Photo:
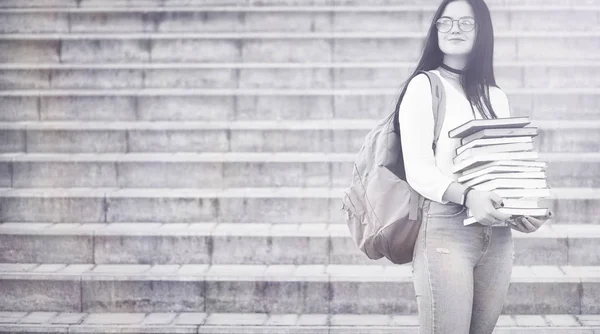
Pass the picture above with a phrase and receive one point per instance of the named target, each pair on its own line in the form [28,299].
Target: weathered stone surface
[316,78]
[52,209]
[195,50]
[373,297]
[186,108]
[18,109]
[191,78]
[142,296]
[114,318]
[132,209]
[38,318]
[33,22]
[151,250]
[580,211]
[542,251]
[64,174]
[284,107]
[542,298]
[29,51]
[5,174]
[104,50]
[556,48]
[287,21]
[178,141]
[568,140]
[46,248]
[40,295]
[197,21]
[159,318]
[265,296]
[65,141]
[12,141]
[281,50]
[170,175]
[69,318]
[101,79]
[300,210]
[110,22]
[399,49]
[380,21]
[80,108]
[24,79]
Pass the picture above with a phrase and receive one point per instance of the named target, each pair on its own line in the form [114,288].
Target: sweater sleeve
[502,106]
[416,131]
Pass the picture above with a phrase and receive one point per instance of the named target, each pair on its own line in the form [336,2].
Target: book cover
[481,159]
[472,220]
[519,193]
[514,147]
[515,212]
[527,203]
[534,212]
[499,170]
[493,176]
[493,141]
[507,163]
[476,125]
[529,131]
[499,184]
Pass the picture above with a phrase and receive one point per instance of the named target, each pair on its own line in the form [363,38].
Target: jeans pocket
[445,210]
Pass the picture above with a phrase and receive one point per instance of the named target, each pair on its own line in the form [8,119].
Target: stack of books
[498,155]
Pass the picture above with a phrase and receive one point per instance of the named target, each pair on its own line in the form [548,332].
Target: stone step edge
[273,272]
[249,230]
[153,92]
[291,8]
[274,65]
[310,125]
[278,35]
[235,157]
[259,322]
[557,193]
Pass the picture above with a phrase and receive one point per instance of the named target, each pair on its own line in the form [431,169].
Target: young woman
[461,273]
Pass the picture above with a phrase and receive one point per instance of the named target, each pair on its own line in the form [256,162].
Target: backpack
[380,208]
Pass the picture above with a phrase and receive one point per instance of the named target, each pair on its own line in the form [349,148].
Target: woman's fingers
[518,227]
[528,225]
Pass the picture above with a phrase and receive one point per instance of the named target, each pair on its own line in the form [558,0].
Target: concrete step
[277,47]
[332,289]
[511,76]
[254,3]
[261,104]
[241,205]
[228,170]
[271,244]
[323,136]
[264,323]
[281,19]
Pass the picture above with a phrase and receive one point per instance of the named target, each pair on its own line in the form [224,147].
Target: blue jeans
[461,273]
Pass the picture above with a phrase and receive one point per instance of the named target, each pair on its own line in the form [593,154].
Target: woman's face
[452,39]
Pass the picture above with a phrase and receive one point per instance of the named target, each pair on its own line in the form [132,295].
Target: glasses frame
[452,25]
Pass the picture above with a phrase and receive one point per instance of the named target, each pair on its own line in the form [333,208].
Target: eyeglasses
[465,24]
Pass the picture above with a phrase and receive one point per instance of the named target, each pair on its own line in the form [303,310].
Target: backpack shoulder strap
[438,98]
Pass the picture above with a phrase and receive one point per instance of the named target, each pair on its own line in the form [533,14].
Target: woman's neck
[456,62]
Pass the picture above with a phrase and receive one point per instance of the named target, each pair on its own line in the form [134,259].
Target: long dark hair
[478,74]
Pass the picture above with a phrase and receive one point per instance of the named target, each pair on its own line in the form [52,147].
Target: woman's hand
[483,206]
[528,224]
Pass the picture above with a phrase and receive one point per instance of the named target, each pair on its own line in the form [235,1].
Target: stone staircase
[176,166]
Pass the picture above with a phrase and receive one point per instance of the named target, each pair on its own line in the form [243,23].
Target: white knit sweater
[431,175]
